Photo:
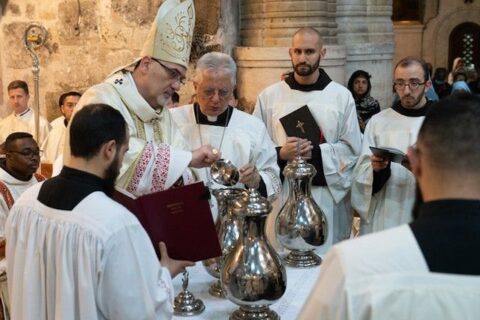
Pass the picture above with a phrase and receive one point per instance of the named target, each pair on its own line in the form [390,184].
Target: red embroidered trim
[6,195]
[141,168]
[160,169]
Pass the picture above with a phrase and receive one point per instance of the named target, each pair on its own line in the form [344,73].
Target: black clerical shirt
[69,188]
[448,233]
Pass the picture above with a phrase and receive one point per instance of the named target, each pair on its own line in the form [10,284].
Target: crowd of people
[70,248]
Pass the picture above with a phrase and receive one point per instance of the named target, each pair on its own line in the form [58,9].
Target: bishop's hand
[204,156]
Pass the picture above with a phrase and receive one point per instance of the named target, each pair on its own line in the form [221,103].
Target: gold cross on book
[300,125]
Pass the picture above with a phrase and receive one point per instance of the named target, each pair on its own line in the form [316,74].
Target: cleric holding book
[73,252]
[158,157]
[383,192]
[240,137]
[428,269]
[333,109]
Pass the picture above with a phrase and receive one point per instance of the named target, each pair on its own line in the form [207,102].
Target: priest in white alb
[73,252]
[239,136]
[383,191]
[158,157]
[22,118]
[428,269]
[54,144]
[333,110]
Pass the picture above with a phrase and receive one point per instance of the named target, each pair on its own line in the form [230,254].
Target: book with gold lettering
[301,123]
[180,217]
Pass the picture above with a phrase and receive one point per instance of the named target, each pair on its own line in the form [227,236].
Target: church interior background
[88,39]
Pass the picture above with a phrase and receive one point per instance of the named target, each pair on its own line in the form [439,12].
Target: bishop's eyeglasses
[172,73]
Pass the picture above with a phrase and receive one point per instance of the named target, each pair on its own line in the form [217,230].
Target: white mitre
[170,37]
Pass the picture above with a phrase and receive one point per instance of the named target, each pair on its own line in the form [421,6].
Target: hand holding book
[391,154]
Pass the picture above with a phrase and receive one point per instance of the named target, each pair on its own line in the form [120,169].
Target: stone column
[266,34]
[365,28]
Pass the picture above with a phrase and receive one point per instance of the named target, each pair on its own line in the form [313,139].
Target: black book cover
[301,123]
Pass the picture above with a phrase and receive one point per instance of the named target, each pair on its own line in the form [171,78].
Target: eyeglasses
[28,153]
[412,85]
[172,73]
[222,94]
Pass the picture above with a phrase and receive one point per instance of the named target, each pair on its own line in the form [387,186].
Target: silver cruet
[228,231]
[301,226]
[253,275]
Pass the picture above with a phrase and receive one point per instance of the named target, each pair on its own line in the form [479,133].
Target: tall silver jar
[301,226]
[228,232]
[253,275]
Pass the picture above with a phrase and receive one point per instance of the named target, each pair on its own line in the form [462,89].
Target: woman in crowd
[360,86]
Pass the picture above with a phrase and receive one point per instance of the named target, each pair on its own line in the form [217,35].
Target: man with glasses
[239,136]
[383,191]
[158,157]
[17,170]
[17,174]
[428,269]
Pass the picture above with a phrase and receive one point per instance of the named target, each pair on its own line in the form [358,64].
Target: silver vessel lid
[298,168]
[252,205]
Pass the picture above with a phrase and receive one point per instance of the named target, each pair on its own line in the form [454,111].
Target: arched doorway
[464,42]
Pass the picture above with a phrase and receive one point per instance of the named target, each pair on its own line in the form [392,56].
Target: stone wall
[87,40]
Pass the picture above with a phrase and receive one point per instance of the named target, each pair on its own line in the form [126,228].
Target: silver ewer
[228,231]
[253,275]
[301,226]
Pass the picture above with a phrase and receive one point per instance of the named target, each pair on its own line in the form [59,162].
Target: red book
[180,217]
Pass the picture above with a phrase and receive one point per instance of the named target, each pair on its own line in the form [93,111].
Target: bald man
[333,150]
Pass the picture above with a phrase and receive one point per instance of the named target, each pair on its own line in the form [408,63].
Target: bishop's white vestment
[157,156]
[333,108]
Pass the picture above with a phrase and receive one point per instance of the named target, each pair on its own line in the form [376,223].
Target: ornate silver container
[228,231]
[301,225]
[185,303]
[253,275]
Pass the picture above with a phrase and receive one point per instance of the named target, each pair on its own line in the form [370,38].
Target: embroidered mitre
[170,38]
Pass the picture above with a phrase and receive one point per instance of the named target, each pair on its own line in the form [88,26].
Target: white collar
[23,113]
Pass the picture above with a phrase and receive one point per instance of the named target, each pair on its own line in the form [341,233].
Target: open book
[391,154]
[180,217]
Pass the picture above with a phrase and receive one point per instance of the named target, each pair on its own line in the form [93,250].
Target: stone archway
[437,52]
